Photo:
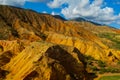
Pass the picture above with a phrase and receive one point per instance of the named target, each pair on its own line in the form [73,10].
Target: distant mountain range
[80,19]
[59,17]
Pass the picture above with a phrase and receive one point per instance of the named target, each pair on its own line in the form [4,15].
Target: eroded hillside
[36,46]
[108,35]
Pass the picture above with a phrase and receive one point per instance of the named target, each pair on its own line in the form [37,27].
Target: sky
[101,11]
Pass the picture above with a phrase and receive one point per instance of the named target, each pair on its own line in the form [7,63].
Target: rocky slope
[41,26]
[45,61]
[108,35]
[36,46]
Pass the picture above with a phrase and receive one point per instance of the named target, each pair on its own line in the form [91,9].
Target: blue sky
[101,11]
[43,7]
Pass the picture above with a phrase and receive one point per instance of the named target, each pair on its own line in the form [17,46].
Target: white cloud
[37,0]
[44,12]
[19,3]
[56,3]
[12,2]
[118,20]
[54,13]
[93,11]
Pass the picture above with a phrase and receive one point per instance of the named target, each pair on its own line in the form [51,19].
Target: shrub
[101,63]
[102,70]
[109,69]
[94,68]
[118,62]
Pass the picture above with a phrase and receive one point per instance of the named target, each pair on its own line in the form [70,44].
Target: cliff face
[40,61]
[37,46]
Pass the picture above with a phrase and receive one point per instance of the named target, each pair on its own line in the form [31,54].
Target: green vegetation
[89,59]
[118,62]
[117,77]
[94,68]
[109,69]
[115,38]
[98,66]
[101,63]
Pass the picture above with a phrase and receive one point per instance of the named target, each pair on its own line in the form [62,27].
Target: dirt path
[106,74]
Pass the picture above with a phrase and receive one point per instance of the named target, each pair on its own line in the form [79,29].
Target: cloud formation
[12,2]
[95,10]
[19,3]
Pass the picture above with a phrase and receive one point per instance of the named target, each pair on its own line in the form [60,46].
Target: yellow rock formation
[46,61]
[40,47]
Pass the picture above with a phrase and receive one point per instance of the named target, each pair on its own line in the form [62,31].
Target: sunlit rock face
[36,46]
[47,61]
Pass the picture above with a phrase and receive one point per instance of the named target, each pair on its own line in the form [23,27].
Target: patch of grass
[117,77]
[109,69]
[111,37]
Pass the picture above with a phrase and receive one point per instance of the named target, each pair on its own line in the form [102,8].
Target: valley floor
[114,76]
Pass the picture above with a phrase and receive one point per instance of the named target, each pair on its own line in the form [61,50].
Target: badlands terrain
[35,46]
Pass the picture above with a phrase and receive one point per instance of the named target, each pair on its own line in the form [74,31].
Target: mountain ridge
[34,43]
[80,19]
[40,27]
